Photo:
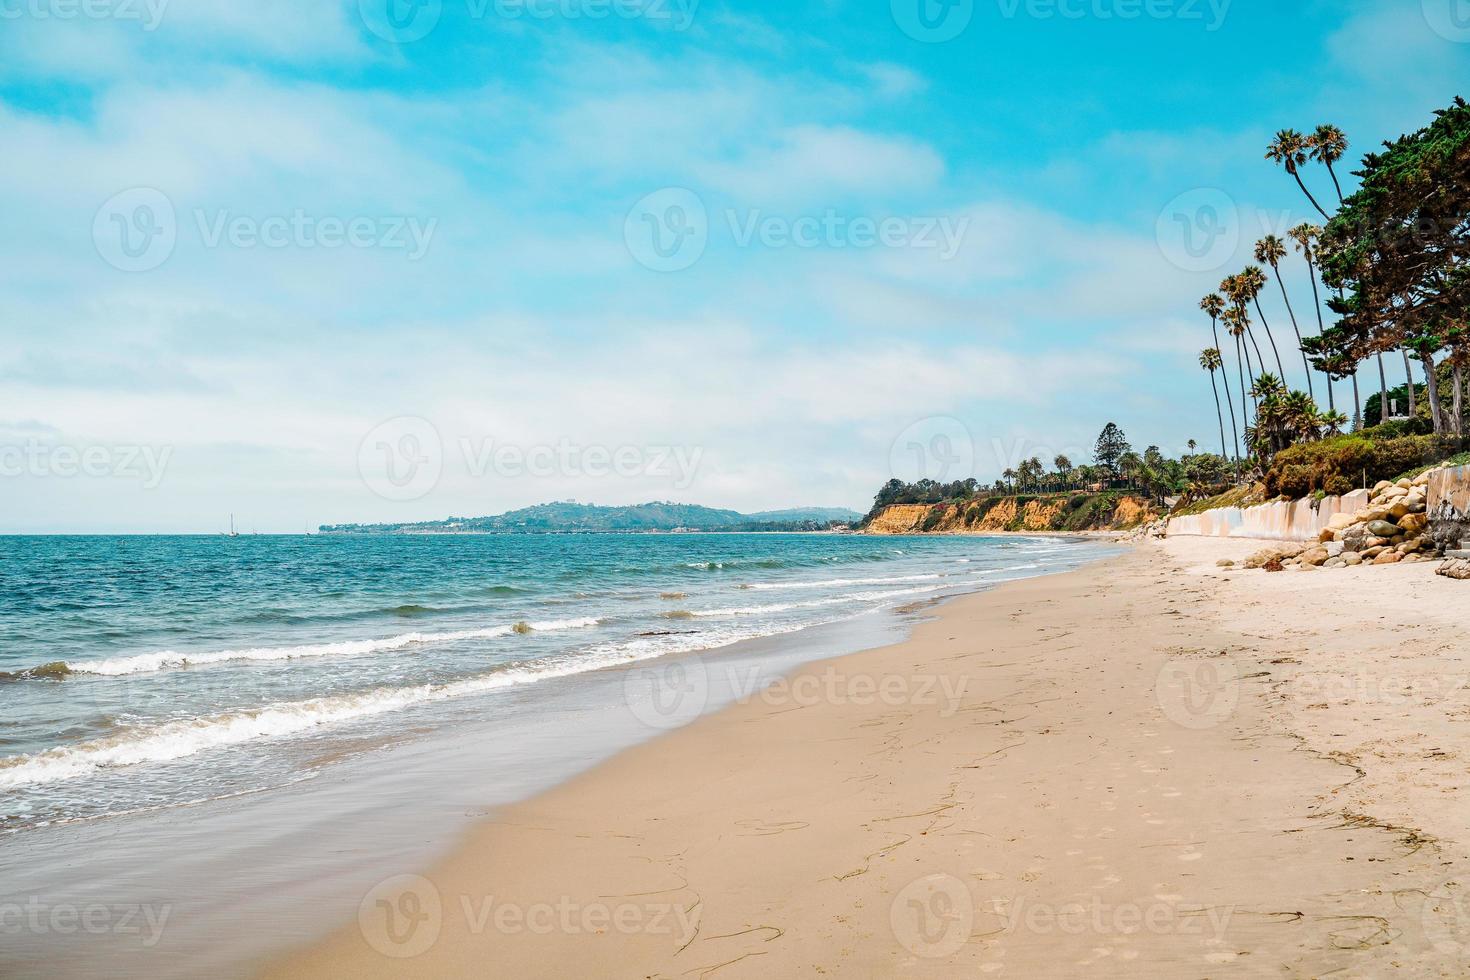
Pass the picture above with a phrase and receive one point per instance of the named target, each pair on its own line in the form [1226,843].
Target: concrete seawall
[1295,520]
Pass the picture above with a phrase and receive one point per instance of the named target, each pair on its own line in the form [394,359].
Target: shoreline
[1070,742]
[310,847]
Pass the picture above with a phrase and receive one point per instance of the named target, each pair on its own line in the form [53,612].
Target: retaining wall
[1295,520]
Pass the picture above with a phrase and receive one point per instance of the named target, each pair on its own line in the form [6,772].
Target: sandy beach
[1150,767]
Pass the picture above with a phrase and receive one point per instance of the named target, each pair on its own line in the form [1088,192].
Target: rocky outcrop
[988,515]
[898,519]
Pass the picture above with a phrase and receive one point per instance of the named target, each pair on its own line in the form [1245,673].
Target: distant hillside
[568,517]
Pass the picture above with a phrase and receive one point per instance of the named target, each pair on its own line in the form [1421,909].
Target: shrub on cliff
[1343,464]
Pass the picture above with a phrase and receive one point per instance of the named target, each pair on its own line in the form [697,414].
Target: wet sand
[1150,767]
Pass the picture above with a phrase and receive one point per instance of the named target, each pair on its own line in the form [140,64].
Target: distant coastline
[569,517]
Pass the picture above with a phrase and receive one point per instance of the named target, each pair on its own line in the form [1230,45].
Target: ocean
[238,689]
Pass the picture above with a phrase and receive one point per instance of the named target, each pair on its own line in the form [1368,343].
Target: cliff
[982,515]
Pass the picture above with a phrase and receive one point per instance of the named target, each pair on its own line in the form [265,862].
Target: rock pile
[1393,528]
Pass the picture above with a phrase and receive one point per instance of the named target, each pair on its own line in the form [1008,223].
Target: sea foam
[146,663]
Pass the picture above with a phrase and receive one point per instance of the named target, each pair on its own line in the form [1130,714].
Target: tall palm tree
[1289,149]
[1214,305]
[1253,280]
[1064,469]
[1237,291]
[1211,361]
[1306,236]
[1270,251]
[1329,145]
[1235,325]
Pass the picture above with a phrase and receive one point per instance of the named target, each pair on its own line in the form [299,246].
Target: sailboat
[233,533]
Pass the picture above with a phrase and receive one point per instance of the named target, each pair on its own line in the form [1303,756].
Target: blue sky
[297,263]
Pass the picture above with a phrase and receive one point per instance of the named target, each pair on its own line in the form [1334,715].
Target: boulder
[1398,510]
[1224,563]
[1328,534]
[1414,524]
[1341,522]
[1404,484]
[1273,565]
[1335,563]
[1371,553]
[1335,549]
[1388,558]
[1315,557]
[1351,558]
[1380,486]
[1383,529]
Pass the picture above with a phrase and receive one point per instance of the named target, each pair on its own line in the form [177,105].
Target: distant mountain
[566,517]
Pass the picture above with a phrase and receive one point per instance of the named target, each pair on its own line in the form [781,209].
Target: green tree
[1400,249]
[1110,448]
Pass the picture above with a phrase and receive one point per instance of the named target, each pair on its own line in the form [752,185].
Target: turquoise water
[142,673]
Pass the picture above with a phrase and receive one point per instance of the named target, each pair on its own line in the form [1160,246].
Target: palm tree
[1235,325]
[1010,477]
[1334,421]
[1064,469]
[1302,415]
[1289,150]
[1214,305]
[1329,145]
[1253,280]
[1306,236]
[1211,361]
[1270,251]
[1237,290]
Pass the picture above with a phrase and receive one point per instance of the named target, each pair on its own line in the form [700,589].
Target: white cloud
[810,163]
